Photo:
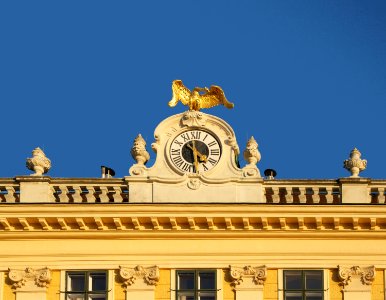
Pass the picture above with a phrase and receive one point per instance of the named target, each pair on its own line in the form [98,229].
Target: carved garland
[129,275]
[237,273]
[367,275]
[41,277]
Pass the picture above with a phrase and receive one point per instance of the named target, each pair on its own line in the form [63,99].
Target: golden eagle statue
[199,97]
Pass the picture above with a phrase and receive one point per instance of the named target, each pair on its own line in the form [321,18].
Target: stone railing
[9,190]
[377,191]
[30,189]
[302,191]
[89,190]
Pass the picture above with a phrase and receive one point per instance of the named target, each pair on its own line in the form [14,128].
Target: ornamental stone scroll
[129,276]
[248,281]
[30,278]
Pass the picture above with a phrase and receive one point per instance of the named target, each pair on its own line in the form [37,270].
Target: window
[86,285]
[303,285]
[196,285]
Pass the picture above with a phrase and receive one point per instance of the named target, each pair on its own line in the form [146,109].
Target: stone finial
[29,276]
[150,275]
[38,162]
[251,154]
[355,164]
[138,151]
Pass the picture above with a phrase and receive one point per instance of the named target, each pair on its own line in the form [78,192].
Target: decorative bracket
[39,277]
[257,274]
[150,275]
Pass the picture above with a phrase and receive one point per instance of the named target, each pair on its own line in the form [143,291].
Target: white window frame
[110,282]
[219,281]
[280,282]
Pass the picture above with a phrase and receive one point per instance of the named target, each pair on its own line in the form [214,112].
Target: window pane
[185,296]
[97,282]
[207,281]
[186,281]
[293,280]
[314,295]
[293,296]
[75,297]
[206,296]
[97,297]
[76,282]
[314,280]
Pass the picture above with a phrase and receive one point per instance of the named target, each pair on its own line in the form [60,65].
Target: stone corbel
[150,275]
[30,278]
[257,275]
[356,275]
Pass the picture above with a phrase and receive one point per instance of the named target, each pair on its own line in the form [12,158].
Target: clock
[195,151]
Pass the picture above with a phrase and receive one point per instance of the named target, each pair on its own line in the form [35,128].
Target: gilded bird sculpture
[198,98]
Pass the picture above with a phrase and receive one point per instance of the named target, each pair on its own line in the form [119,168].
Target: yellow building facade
[195,225]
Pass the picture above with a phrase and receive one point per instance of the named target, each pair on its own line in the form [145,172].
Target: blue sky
[81,79]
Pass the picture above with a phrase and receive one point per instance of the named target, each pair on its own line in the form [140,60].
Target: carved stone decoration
[138,151]
[193,118]
[155,145]
[365,274]
[252,156]
[194,183]
[233,143]
[39,163]
[150,275]
[258,274]
[355,164]
[40,277]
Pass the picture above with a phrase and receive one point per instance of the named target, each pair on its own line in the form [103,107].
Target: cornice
[207,221]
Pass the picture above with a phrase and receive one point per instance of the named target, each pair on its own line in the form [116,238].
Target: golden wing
[180,92]
[214,97]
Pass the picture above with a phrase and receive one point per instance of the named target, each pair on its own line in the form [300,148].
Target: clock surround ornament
[196,158]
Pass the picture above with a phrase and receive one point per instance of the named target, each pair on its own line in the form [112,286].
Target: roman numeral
[212,143]
[195,135]
[186,137]
[186,167]
[212,161]
[175,152]
[178,161]
[215,152]
[205,137]
[178,143]
[205,168]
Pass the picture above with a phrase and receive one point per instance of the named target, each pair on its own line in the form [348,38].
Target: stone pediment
[196,161]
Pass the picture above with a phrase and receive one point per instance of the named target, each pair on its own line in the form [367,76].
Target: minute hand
[193,148]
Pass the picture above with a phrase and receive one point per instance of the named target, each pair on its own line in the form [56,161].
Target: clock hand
[195,152]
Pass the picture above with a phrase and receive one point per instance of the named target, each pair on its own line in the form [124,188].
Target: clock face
[195,151]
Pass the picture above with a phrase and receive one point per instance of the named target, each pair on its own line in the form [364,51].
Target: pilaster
[355,190]
[356,282]
[139,282]
[248,282]
[30,284]
[35,189]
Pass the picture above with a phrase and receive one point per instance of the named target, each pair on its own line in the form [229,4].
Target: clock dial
[195,151]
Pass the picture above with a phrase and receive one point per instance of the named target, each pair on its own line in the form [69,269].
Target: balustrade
[117,190]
